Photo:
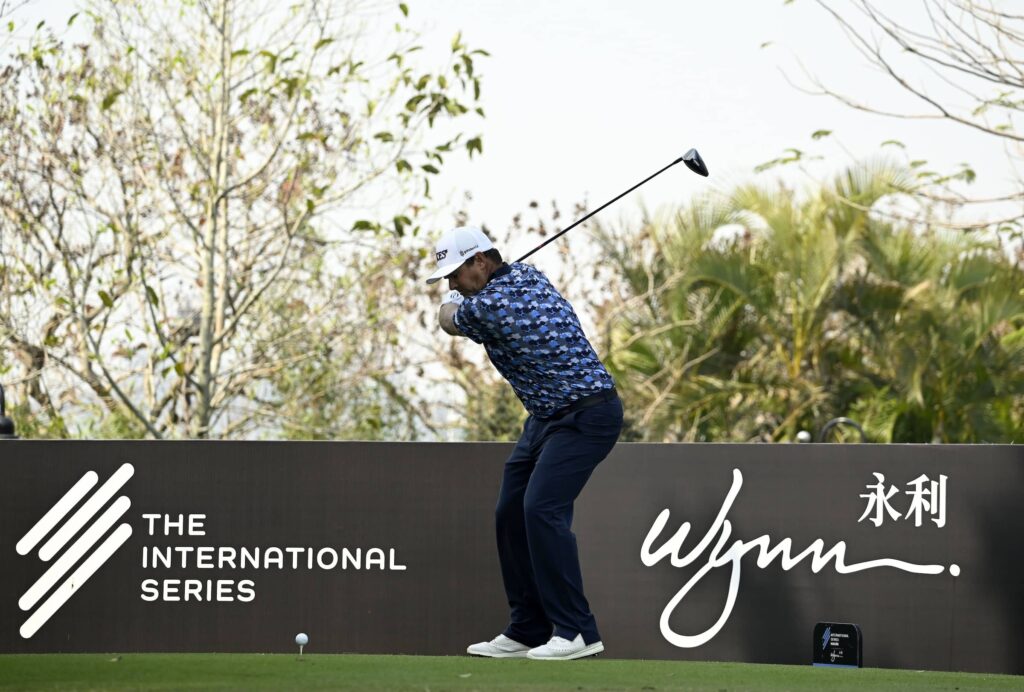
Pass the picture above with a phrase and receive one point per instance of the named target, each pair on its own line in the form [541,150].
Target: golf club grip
[609,202]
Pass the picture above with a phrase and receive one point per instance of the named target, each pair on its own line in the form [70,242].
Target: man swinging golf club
[534,339]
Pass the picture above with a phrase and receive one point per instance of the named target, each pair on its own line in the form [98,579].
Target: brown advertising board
[698,552]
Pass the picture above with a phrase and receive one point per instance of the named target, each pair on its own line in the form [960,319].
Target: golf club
[692,160]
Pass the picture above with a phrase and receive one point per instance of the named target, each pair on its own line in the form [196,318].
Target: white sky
[588,97]
[584,98]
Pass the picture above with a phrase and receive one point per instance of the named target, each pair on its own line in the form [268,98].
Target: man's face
[470,277]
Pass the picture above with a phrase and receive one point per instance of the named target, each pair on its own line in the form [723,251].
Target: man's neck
[496,270]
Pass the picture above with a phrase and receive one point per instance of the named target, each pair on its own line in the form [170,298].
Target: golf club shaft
[612,201]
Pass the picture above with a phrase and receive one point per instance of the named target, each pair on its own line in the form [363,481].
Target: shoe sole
[592,650]
[511,654]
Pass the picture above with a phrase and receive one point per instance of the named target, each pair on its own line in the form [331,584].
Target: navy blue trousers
[543,477]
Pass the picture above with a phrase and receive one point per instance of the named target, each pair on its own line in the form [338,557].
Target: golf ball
[301,639]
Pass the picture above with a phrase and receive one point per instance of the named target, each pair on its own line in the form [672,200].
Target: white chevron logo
[83,545]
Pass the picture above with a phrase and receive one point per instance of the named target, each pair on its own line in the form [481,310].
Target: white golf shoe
[499,647]
[561,649]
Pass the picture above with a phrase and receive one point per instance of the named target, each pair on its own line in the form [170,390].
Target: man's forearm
[446,316]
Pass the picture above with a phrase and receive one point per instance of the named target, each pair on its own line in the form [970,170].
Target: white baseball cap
[455,247]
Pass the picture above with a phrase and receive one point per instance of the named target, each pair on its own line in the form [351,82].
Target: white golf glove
[453,297]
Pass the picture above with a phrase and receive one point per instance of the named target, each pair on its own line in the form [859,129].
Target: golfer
[534,339]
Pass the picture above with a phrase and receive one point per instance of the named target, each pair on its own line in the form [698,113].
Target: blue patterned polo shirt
[534,339]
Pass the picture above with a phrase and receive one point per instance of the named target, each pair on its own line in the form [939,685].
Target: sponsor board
[699,552]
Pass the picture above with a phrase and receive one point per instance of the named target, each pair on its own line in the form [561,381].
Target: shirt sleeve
[479,316]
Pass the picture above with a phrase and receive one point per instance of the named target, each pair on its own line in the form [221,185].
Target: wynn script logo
[721,553]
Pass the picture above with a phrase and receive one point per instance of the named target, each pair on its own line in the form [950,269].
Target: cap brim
[442,272]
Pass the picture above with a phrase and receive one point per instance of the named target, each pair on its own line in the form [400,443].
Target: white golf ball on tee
[301,639]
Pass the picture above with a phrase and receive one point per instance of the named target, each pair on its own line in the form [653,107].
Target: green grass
[435,673]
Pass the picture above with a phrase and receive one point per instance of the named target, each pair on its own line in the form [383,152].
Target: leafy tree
[183,247]
[940,330]
[9,10]
[753,316]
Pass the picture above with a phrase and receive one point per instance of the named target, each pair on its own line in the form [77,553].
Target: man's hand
[446,315]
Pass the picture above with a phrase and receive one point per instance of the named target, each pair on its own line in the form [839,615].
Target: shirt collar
[500,271]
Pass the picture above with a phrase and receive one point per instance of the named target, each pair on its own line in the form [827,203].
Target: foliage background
[212,230]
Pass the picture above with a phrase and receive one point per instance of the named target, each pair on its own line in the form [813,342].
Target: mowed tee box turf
[113,673]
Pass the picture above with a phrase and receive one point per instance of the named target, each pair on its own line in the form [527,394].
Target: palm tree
[940,326]
[758,313]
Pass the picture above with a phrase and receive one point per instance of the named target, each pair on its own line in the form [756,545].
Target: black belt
[602,397]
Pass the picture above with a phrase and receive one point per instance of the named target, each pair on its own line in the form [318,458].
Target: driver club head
[695,163]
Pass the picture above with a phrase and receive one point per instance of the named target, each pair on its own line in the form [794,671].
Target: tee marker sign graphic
[79,549]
